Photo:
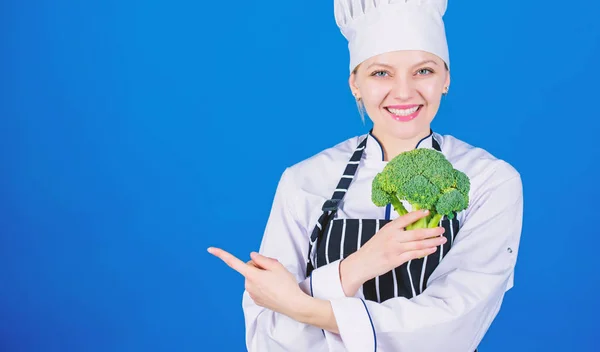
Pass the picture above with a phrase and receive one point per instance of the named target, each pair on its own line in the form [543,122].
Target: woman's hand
[389,248]
[268,282]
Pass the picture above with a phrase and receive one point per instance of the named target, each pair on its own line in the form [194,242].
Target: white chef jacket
[463,294]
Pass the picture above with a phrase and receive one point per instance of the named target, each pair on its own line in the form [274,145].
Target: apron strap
[435,144]
[330,206]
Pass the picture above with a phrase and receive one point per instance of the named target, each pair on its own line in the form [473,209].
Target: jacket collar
[374,148]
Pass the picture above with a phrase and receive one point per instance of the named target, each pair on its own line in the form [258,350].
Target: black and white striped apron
[334,238]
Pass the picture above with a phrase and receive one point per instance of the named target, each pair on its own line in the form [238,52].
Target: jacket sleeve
[463,295]
[287,240]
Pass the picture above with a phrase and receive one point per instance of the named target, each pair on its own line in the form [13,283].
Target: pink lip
[402,106]
[404,118]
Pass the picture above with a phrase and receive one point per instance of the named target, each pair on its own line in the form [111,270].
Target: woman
[337,273]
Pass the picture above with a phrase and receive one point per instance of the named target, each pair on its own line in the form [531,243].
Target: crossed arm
[463,295]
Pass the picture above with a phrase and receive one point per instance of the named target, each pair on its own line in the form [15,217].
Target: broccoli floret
[426,180]
[419,192]
[450,202]
[463,184]
[381,195]
[441,174]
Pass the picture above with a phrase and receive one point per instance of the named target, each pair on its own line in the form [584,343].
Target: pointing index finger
[232,261]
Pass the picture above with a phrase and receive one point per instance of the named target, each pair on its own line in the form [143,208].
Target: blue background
[135,134]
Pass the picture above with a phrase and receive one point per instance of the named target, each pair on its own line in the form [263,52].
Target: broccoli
[426,180]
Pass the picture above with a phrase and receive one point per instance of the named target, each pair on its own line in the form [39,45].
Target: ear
[353,85]
[447,84]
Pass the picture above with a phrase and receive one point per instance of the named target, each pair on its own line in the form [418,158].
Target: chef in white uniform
[335,272]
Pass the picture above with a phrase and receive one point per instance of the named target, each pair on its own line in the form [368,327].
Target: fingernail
[425,211]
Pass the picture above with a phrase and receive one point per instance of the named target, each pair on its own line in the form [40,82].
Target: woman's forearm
[351,275]
[316,312]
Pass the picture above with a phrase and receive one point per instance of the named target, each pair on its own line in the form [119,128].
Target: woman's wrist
[315,312]
[351,276]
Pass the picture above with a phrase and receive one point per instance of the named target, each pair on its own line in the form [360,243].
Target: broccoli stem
[398,207]
[419,224]
[435,220]
[430,221]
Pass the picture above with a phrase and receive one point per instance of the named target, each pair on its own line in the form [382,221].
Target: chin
[406,130]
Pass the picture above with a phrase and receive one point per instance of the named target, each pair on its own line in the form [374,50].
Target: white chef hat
[374,27]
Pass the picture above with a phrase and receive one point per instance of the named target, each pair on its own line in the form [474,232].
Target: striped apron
[334,238]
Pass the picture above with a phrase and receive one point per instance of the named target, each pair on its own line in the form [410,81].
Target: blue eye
[379,73]
[424,71]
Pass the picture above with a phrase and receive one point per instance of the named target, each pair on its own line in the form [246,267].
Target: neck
[393,146]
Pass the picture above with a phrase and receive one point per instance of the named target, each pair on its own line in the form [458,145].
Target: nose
[403,88]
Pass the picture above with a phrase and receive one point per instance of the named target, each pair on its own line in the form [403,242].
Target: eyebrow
[427,61]
[388,66]
[378,64]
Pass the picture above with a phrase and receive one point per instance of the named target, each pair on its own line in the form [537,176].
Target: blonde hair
[359,103]
[361,109]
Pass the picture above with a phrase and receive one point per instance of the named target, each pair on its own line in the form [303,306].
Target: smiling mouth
[404,112]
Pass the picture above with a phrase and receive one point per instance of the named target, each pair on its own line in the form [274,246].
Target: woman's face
[401,91]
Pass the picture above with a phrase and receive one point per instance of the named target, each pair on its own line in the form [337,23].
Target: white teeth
[403,112]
